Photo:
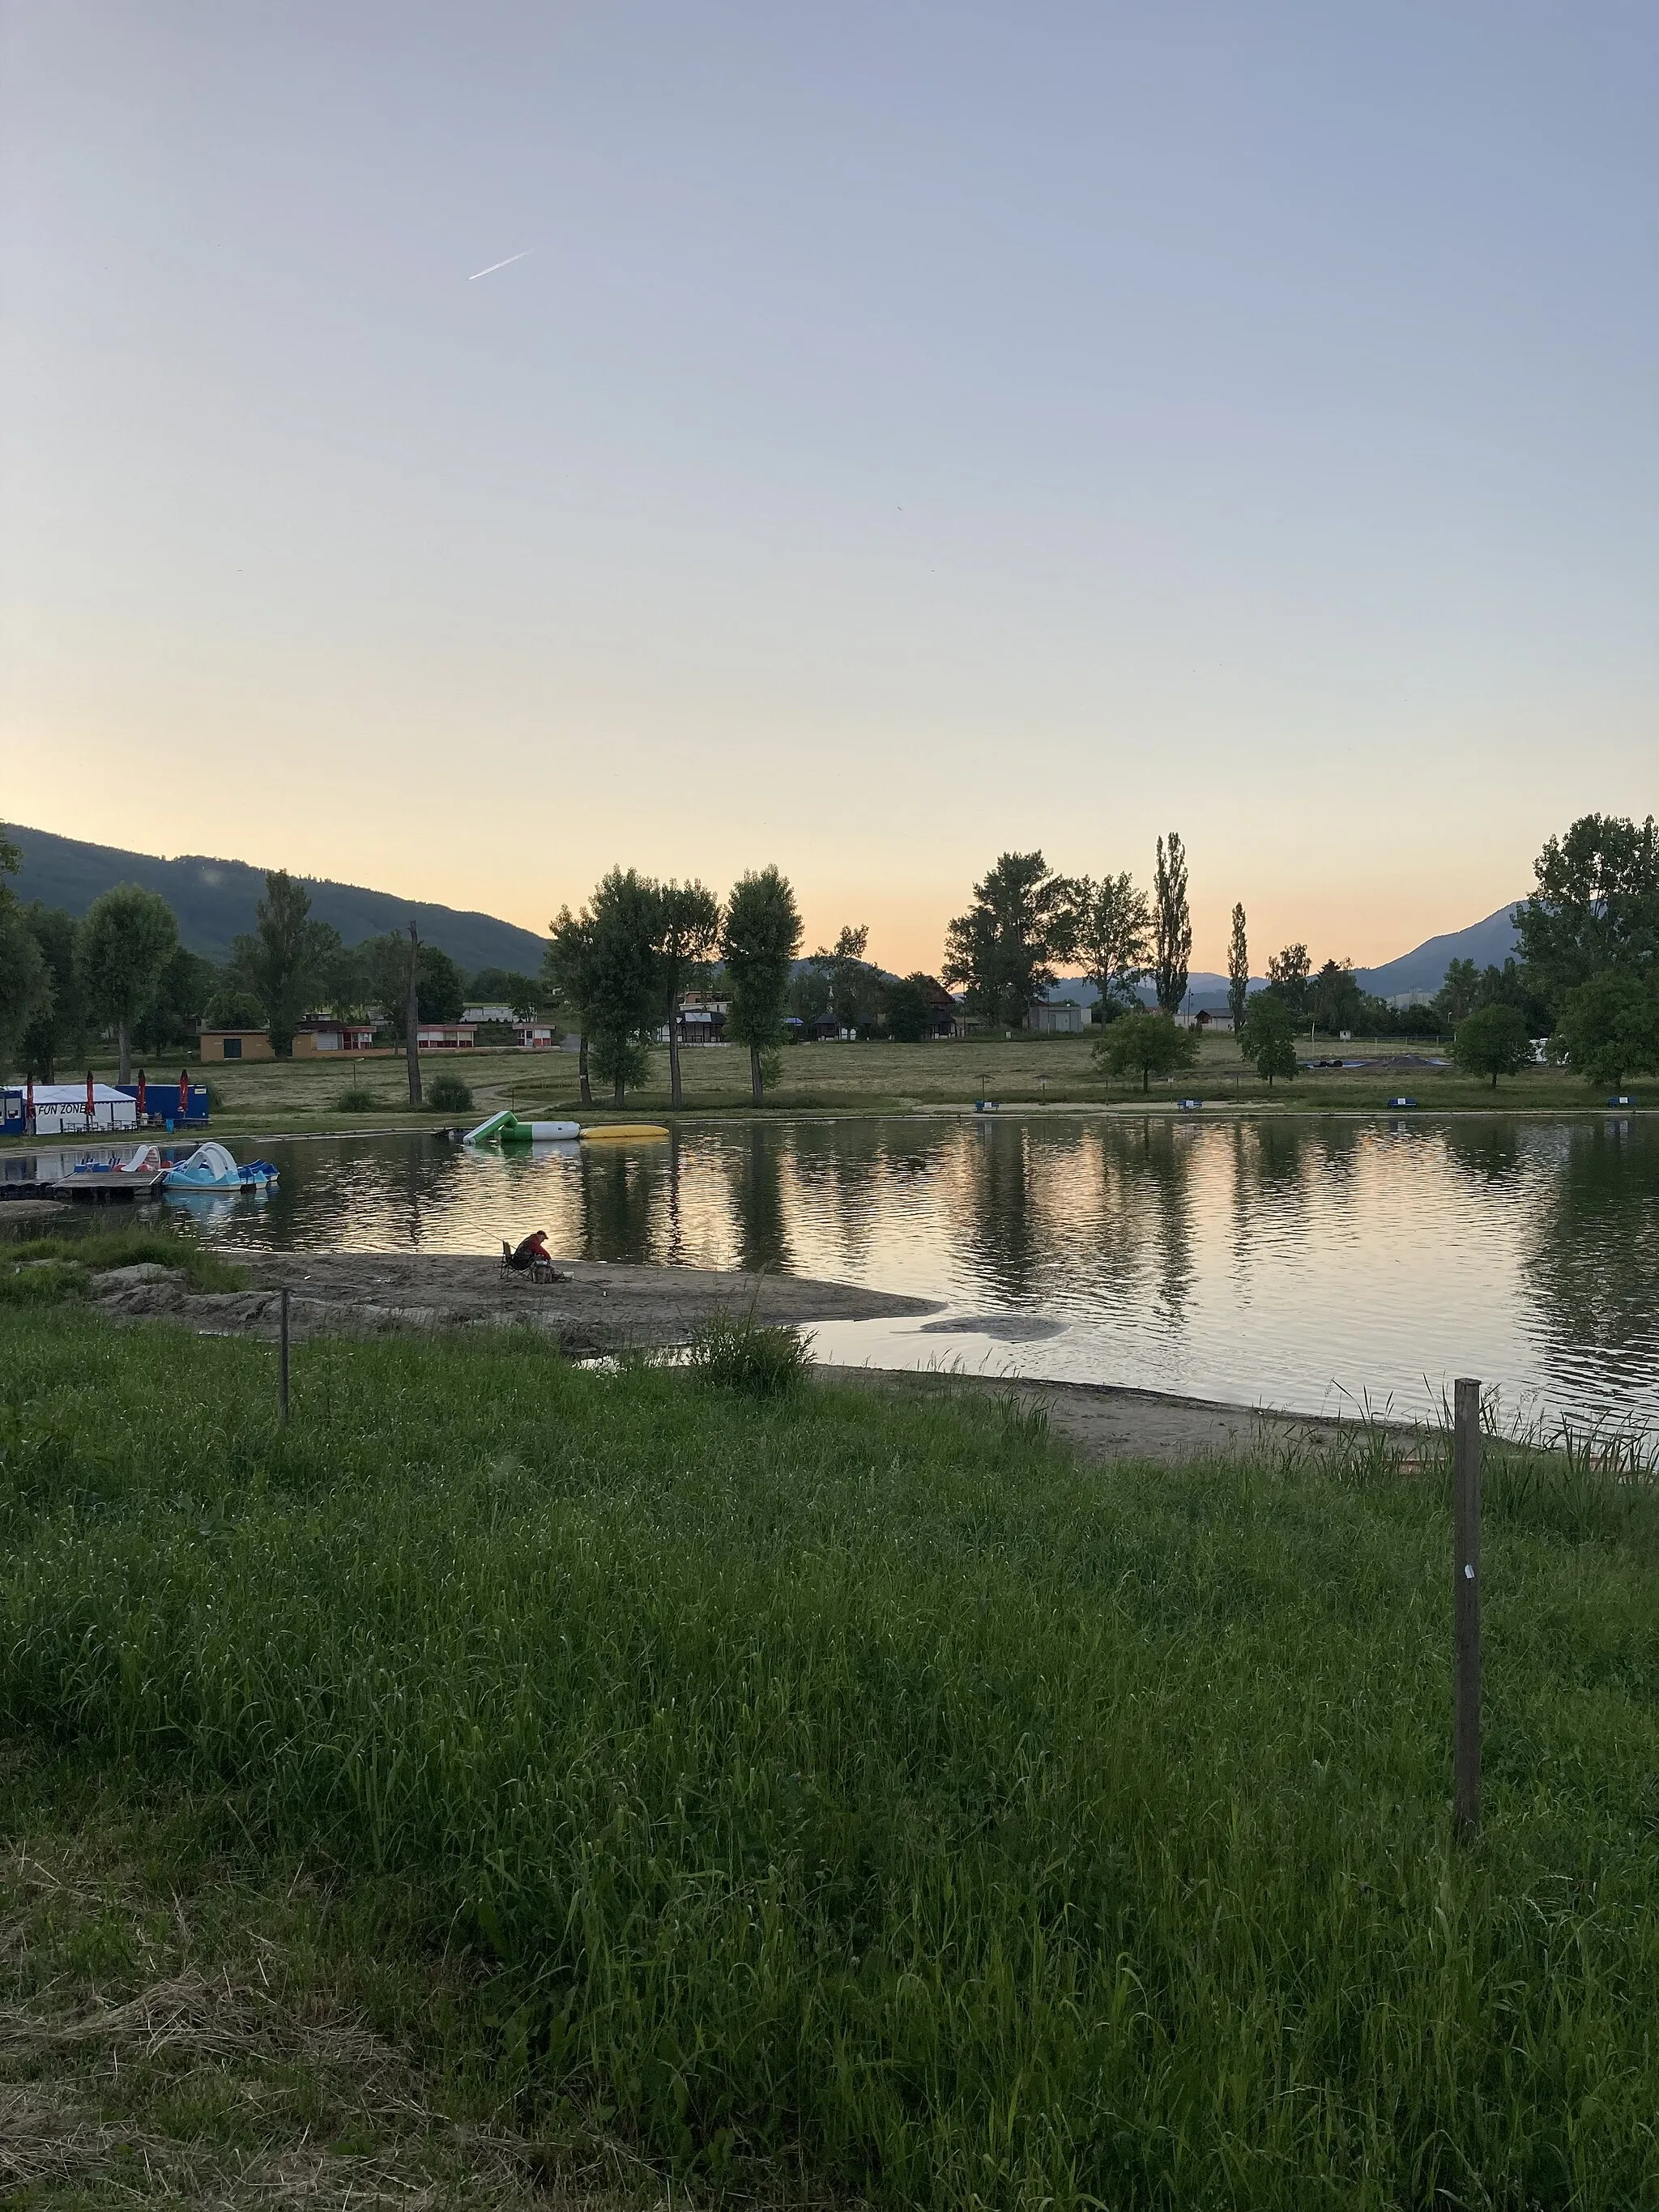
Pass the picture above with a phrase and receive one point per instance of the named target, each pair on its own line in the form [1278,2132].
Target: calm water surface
[1295,1263]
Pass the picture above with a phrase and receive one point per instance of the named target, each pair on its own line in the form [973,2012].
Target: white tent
[60,1110]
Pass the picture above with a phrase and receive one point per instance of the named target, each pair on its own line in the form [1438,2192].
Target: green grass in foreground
[40,1270]
[854,1793]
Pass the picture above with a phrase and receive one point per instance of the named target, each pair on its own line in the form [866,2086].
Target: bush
[357,1100]
[449,1095]
[749,1357]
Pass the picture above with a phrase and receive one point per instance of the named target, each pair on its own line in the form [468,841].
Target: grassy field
[270,1097]
[510,1767]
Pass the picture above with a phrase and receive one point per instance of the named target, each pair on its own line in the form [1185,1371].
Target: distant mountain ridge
[1489,944]
[215,901]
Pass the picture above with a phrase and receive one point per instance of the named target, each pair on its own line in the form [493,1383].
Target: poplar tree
[1238,970]
[1172,925]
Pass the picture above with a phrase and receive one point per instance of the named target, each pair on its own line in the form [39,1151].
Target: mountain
[1489,944]
[215,901]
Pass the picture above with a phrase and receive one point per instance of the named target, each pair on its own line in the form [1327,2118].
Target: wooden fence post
[1465,1605]
[282,1368]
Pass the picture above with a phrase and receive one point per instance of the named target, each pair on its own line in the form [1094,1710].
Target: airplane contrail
[495,265]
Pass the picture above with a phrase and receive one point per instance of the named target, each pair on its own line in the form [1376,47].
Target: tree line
[120,969]
[618,971]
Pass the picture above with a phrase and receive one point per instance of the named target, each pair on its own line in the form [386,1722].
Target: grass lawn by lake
[270,1097]
[843,1796]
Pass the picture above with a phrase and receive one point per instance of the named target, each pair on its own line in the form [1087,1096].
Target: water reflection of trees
[1485,1152]
[1166,1174]
[619,1200]
[762,1236]
[999,1230]
[1593,1244]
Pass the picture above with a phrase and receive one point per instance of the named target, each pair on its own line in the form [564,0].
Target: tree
[809,993]
[687,926]
[1269,1036]
[1172,924]
[1597,905]
[347,984]
[566,977]
[25,983]
[231,1003]
[24,977]
[57,1030]
[489,987]
[909,1011]
[1238,970]
[850,983]
[173,1015]
[1492,1040]
[1458,994]
[440,985]
[759,940]
[1002,950]
[1112,935]
[1335,997]
[1511,986]
[285,962]
[1609,1028]
[523,994]
[1287,979]
[126,937]
[625,977]
[1147,1044]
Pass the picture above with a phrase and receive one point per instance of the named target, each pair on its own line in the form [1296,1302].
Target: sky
[912,432]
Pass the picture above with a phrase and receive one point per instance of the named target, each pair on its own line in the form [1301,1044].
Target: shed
[236,1044]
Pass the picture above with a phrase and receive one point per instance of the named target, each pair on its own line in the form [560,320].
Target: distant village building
[322,1035]
[236,1044]
[1058,1017]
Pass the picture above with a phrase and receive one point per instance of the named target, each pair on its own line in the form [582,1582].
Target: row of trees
[121,969]
[1026,918]
[621,967]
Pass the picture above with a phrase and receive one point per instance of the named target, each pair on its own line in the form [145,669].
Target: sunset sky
[912,431]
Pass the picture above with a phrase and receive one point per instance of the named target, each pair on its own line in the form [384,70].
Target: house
[236,1044]
[322,1035]
[944,1013]
[445,1036]
[535,1036]
[702,1020]
[1057,1018]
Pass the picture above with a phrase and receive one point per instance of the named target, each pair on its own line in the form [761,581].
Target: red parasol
[28,1109]
[184,1094]
[92,1104]
[141,1095]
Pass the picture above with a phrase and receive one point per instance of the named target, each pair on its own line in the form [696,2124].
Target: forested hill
[215,901]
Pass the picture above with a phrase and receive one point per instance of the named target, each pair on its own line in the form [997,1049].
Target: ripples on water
[1292,1263]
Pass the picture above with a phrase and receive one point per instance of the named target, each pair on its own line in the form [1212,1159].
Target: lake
[1310,1263]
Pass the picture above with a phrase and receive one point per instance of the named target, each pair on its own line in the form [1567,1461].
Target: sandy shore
[598,1307]
[606,1309]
